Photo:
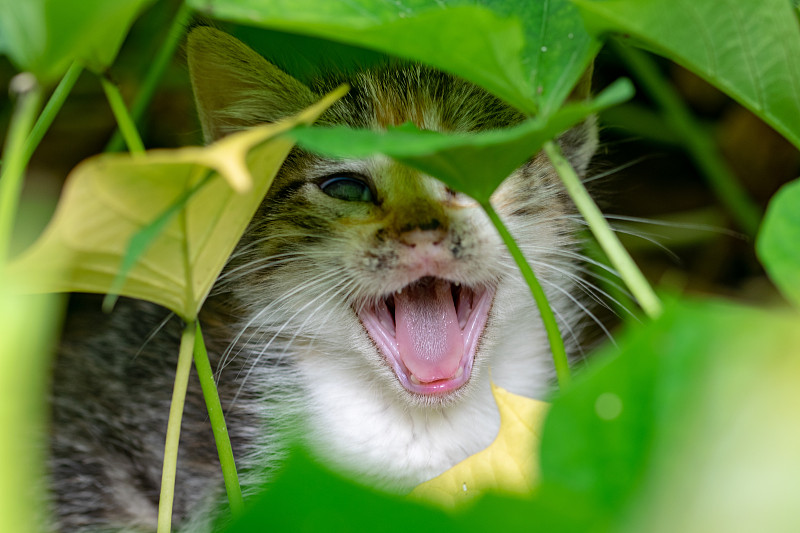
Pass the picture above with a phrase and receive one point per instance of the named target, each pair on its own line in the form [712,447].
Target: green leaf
[778,243]
[748,49]
[305,497]
[27,328]
[510,59]
[475,164]
[110,198]
[558,49]
[45,36]
[658,422]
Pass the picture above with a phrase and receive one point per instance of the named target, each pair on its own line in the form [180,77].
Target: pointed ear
[234,87]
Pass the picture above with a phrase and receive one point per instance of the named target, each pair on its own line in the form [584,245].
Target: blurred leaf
[731,461]
[778,243]
[305,497]
[27,327]
[749,49]
[475,164]
[465,38]
[108,199]
[45,36]
[606,436]
[509,465]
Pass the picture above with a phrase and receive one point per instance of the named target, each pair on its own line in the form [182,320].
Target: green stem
[170,464]
[12,175]
[155,73]
[550,325]
[607,239]
[699,144]
[124,120]
[221,438]
[52,108]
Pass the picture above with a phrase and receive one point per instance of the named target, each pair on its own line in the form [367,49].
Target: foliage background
[649,174]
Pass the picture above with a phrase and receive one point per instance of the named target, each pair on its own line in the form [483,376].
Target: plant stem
[695,140]
[52,108]
[124,121]
[548,318]
[29,97]
[608,240]
[170,465]
[155,73]
[221,438]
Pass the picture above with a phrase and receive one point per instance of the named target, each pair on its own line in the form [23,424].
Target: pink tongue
[428,335]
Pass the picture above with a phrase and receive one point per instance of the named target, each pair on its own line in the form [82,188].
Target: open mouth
[429,331]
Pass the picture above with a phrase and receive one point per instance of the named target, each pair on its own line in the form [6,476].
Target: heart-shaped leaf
[507,49]
[749,49]
[509,465]
[109,198]
[45,36]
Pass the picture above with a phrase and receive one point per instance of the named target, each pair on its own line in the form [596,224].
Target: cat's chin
[429,332]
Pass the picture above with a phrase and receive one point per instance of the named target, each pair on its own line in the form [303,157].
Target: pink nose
[418,236]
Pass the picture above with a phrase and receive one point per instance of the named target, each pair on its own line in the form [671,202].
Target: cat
[365,311]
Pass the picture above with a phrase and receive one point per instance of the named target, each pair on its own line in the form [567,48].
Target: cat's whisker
[262,313]
[583,308]
[266,347]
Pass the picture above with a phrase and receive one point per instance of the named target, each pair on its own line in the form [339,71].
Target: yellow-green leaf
[109,198]
[509,465]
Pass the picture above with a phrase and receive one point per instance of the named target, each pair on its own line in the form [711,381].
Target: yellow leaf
[109,198]
[509,465]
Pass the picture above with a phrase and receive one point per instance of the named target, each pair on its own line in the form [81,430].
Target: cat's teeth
[414,380]
[458,284]
[459,373]
[399,291]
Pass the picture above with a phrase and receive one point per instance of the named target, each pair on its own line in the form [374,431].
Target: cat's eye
[347,188]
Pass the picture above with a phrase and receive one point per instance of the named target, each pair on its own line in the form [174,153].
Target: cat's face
[374,270]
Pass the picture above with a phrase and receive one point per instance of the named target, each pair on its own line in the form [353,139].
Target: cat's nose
[421,237]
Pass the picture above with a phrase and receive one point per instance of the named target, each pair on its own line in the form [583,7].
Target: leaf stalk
[617,254]
[12,174]
[545,311]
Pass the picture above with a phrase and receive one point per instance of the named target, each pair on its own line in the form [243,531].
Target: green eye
[347,189]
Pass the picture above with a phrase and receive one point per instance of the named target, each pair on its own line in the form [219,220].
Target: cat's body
[344,263]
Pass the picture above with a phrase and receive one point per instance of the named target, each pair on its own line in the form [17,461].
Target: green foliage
[749,49]
[515,58]
[778,242]
[134,214]
[45,36]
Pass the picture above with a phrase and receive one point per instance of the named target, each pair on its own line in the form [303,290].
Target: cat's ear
[234,87]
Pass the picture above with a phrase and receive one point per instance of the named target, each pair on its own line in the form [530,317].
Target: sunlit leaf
[46,36]
[474,164]
[617,429]
[108,199]
[509,465]
[778,243]
[27,327]
[466,38]
[748,49]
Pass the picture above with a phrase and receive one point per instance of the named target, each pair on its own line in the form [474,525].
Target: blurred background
[642,170]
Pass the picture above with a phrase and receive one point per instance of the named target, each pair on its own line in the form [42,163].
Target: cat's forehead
[390,95]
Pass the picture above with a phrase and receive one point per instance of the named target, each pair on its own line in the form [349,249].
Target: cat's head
[382,276]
